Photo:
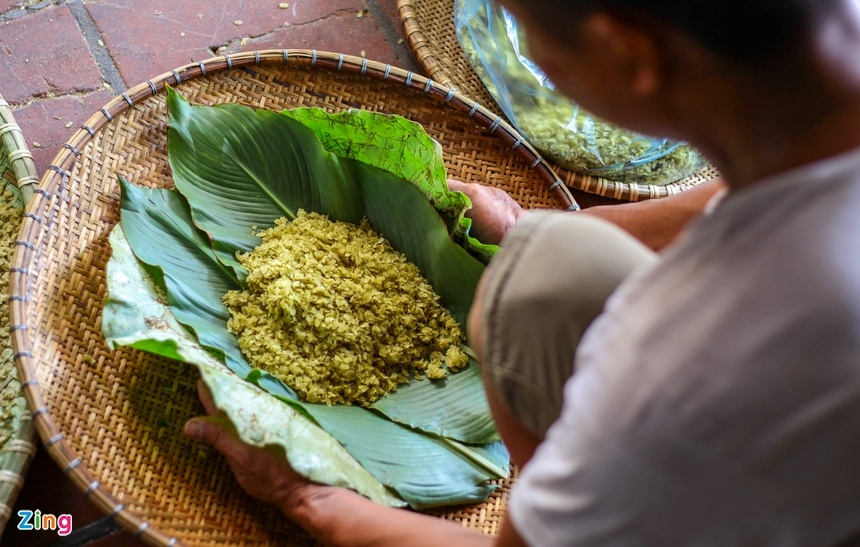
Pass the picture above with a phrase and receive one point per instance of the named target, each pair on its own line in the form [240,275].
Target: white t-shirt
[717,399]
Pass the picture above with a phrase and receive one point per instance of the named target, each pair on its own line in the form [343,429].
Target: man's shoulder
[756,313]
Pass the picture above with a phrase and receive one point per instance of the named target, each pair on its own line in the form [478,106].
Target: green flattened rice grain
[338,315]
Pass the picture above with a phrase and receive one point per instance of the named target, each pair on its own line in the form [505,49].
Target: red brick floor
[62,60]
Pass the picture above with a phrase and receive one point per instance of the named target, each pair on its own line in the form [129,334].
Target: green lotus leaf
[159,228]
[402,148]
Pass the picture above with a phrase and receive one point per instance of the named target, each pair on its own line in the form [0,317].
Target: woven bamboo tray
[17,450]
[430,34]
[113,419]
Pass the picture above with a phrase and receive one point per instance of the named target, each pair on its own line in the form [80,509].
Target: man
[716,400]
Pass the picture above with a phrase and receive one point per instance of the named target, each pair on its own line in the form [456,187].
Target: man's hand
[493,211]
[332,515]
[262,472]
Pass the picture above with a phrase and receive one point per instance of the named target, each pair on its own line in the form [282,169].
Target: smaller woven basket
[17,435]
[432,37]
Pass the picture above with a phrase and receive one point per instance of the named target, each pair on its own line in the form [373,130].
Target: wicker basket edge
[17,165]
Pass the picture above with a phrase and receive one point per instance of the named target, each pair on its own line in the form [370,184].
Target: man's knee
[538,296]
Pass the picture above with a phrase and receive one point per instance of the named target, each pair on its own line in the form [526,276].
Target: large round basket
[17,434]
[431,35]
[113,419]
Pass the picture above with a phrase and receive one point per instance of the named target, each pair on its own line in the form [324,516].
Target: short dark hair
[737,29]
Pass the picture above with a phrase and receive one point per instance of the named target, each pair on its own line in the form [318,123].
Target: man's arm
[336,516]
[658,222]
[655,222]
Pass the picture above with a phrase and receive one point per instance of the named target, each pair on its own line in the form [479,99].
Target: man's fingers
[219,434]
[214,429]
[203,430]
[206,398]
[471,189]
[456,185]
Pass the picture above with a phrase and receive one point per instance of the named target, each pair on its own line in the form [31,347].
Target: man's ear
[627,49]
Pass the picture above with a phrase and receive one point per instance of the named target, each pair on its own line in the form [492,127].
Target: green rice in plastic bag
[566,134]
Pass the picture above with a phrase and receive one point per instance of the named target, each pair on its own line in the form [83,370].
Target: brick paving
[62,60]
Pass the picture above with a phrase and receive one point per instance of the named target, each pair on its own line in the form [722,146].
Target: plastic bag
[564,133]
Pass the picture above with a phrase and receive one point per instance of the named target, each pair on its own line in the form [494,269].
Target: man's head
[743,30]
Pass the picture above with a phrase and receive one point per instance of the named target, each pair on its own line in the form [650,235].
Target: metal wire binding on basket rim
[53,194]
[432,38]
[16,167]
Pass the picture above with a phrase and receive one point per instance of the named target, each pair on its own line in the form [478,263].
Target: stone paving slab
[44,54]
[53,120]
[343,34]
[166,34]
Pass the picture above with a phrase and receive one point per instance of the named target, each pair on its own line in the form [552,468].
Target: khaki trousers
[543,289]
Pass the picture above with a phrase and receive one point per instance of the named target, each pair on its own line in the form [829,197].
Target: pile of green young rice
[338,315]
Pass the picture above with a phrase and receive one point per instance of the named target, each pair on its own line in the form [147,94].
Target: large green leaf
[424,404]
[402,148]
[395,208]
[137,315]
[420,467]
[242,169]
[426,470]
[158,226]
[489,455]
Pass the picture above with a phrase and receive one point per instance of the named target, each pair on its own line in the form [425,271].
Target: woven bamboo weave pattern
[432,37]
[17,435]
[113,419]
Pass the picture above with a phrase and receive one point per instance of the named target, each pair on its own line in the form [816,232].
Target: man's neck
[753,156]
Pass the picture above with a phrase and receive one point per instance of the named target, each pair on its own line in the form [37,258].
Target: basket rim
[18,452]
[18,154]
[435,65]
[58,172]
